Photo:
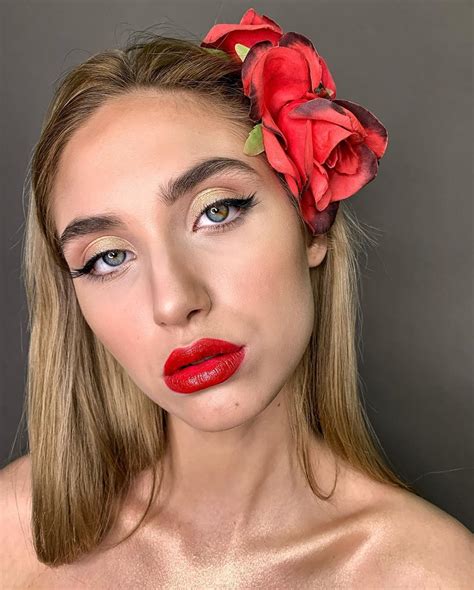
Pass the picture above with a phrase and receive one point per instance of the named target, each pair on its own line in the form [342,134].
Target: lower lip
[205,374]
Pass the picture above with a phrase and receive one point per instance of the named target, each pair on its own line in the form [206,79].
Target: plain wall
[407,62]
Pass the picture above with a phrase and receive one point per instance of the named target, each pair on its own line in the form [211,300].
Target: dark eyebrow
[168,194]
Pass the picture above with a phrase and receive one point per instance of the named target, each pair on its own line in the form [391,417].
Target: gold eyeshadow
[203,200]
[207,197]
[104,243]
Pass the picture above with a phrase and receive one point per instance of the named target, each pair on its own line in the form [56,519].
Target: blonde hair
[91,430]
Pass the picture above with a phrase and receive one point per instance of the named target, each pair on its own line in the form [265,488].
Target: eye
[217,212]
[103,264]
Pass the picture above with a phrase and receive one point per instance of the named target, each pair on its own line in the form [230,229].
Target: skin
[192,285]
[234,506]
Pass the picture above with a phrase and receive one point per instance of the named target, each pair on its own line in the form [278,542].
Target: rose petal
[269,123]
[326,77]
[299,141]
[348,159]
[316,208]
[331,160]
[326,136]
[252,29]
[342,186]
[308,151]
[319,182]
[252,17]
[285,77]
[252,77]
[377,136]
[319,222]
[328,110]
[226,38]
[279,160]
[303,46]
[331,125]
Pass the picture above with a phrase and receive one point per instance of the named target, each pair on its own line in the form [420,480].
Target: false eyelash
[243,204]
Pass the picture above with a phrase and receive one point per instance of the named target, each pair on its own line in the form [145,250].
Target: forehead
[134,140]
[147,126]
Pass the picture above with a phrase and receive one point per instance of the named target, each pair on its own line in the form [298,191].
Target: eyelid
[104,243]
[243,203]
[203,201]
[207,198]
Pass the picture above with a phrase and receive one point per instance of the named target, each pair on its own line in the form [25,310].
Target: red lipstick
[183,377]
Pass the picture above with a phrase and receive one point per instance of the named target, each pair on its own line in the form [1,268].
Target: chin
[223,411]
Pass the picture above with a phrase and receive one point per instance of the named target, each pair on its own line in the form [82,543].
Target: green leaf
[241,50]
[254,143]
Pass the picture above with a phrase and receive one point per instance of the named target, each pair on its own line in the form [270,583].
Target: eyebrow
[168,194]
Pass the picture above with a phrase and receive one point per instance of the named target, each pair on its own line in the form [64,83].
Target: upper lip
[198,350]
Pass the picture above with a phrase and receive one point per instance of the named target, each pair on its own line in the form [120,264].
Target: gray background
[407,62]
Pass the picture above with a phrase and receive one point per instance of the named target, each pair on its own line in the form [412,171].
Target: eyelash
[244,205]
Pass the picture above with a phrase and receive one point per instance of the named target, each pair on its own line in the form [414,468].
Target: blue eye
[115,258]
[109,258]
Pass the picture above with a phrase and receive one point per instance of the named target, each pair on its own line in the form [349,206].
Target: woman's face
[176,277]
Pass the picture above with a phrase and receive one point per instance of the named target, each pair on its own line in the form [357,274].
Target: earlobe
[317,250]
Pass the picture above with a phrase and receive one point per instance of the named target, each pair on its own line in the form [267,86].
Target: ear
[316,249]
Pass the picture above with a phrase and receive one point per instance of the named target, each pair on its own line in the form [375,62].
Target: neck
[244,477]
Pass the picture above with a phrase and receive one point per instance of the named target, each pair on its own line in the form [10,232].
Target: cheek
[261,294]
[114,319]
[271,290]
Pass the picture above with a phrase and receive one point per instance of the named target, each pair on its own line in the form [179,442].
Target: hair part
[92,431]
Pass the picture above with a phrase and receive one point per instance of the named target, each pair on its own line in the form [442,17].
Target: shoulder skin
[18,562]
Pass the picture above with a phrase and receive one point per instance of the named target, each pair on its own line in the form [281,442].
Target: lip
[206,373]
[197,351]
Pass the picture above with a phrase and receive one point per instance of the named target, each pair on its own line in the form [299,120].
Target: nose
[178,289]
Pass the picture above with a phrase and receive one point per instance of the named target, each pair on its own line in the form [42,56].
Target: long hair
[91,429]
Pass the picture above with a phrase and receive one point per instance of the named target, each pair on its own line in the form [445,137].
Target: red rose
[326,149]
[274,75]
[347,143]
[252,28]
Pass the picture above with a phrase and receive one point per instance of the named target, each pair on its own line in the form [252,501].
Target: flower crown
[326,149]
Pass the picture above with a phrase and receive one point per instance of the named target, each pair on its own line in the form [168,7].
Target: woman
[187,209]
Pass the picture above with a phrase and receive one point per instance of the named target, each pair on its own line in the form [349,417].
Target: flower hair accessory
[326,149]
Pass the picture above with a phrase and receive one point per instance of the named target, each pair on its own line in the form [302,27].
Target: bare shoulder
[418,545]
[18,562]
